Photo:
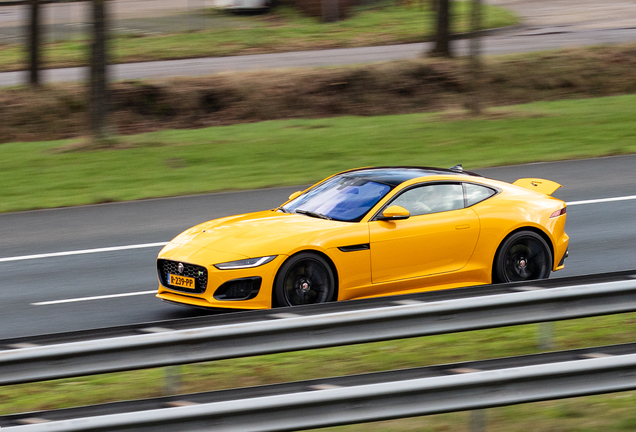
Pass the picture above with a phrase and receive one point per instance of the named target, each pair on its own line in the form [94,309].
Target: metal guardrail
[517,380]
[530,304]
[243,393]
[218,318]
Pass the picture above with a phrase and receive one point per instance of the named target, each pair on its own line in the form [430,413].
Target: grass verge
[282,30]
[277,153]
[610,413]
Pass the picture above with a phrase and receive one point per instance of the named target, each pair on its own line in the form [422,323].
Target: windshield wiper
[313,214]
[282,209]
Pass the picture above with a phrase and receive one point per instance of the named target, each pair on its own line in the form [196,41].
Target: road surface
[96,288]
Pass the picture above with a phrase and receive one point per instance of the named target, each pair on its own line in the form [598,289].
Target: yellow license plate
[181,281]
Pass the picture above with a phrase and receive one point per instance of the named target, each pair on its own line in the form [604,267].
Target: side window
[476,193]
[431,199]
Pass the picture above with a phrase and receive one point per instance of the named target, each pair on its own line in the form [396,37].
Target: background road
[517,41]
[547,25]
[603,235]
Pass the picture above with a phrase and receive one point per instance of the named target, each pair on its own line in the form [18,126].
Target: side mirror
[395,212]
[295,195]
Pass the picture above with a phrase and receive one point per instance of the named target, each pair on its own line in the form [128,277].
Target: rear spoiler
[539,185]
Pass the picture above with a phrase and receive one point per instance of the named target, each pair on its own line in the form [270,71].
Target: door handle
[462,227]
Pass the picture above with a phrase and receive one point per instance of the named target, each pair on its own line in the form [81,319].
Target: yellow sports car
[370,232]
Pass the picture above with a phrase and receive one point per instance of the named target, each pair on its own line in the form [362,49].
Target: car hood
[262,233]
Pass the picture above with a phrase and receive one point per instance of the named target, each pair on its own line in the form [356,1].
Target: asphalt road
[603,239]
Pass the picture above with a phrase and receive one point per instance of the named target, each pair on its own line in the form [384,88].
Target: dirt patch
[59,111]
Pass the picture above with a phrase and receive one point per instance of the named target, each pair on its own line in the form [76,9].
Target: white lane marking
[82,252]
[44,303]
[602,200]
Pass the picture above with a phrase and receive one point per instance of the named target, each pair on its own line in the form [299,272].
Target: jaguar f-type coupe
[370,232]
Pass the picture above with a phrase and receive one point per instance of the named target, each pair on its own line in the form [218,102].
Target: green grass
[277,153]
[282,30]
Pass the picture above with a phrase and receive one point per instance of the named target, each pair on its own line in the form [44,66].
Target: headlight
[245,263]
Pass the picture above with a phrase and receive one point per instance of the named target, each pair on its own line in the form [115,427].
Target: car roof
[395,175]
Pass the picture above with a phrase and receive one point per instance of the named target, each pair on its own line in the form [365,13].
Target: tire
[523,256]
[305,278]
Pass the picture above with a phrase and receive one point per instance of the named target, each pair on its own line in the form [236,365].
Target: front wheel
[523,256]
[304,279]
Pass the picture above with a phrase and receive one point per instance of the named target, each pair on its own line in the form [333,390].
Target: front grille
[199,273]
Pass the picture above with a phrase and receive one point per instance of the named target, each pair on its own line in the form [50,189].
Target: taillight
[559,212]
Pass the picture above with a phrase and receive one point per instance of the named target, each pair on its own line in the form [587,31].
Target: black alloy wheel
[304,279]
[523,256]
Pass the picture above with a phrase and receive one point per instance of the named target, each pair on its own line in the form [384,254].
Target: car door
[439,236]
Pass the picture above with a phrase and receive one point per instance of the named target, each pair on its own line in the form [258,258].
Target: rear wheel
[523,256]
[303,279]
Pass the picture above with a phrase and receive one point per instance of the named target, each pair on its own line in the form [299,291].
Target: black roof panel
[397,175]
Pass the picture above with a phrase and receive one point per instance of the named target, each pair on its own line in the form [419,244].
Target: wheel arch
[533,229]
[323,255]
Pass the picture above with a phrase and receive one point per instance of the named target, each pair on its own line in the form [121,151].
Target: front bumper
[249,288]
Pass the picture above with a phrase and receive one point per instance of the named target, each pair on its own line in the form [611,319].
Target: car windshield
[340,198]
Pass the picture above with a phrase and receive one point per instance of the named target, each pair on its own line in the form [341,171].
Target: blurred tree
[329,10]
[442,37]
[473,102]
[34,43]
[98,109]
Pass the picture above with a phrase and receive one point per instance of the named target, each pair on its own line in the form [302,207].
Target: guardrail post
[477,421]
[172,380]
[546,330]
